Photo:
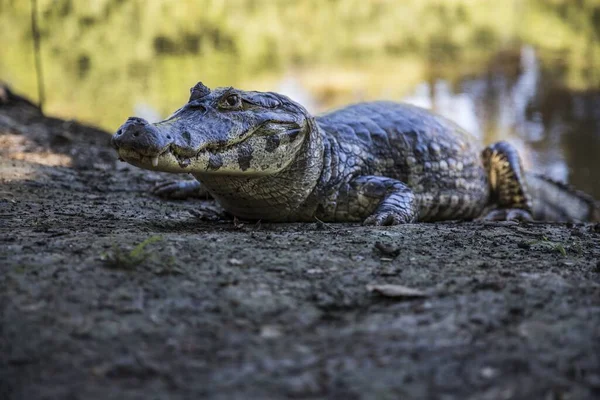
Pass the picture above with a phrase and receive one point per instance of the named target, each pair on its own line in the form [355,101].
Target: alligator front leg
[393,202]
[507,183]
[179,190]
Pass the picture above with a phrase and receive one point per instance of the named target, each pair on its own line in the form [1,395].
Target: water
[523,71]
[556,130]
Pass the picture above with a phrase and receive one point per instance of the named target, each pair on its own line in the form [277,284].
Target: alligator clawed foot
[508,214]
[386,219]
[180,190]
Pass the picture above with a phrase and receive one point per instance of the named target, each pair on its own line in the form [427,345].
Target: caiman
[262,156]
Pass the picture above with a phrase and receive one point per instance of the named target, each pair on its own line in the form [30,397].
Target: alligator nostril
[168,136]
[136,134]
[119,131]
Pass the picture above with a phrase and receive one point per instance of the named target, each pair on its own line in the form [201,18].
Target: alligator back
[402,141]
[434,157]
[556,201]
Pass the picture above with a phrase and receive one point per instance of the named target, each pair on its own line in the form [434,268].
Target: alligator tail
[559,202]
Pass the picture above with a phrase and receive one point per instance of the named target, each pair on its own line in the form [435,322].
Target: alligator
[262,156]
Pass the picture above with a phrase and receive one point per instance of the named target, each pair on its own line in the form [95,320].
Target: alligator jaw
[164,161]
[248,159]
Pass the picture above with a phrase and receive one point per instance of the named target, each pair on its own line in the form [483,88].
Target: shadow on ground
[108,292]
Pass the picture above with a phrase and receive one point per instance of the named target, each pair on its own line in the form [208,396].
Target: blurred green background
[526,71]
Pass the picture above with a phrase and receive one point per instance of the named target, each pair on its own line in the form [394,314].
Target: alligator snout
[138,135]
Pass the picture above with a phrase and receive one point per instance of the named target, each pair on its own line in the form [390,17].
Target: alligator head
[224,131]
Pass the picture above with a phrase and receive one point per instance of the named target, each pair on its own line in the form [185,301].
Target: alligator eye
[232,100]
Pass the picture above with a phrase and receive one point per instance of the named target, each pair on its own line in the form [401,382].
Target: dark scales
[199,91]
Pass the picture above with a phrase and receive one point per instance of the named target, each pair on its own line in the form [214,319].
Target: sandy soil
[208,308]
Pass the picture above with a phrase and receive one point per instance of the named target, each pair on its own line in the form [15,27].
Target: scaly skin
[264,157]
[424,163]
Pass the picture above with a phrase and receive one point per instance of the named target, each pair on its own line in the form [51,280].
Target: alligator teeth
[155,161]
[184,162]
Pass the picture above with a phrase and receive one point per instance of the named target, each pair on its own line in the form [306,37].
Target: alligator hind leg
[394,202]
[179,190]
[508,191]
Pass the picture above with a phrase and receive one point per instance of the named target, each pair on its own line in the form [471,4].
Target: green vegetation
[103,57]
[120,258]
[558,247]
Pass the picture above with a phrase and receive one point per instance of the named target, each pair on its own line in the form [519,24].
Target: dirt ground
[109,292]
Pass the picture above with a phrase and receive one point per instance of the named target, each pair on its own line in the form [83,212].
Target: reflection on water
[523,71]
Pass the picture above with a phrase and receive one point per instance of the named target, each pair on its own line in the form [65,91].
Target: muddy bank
[109,292]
